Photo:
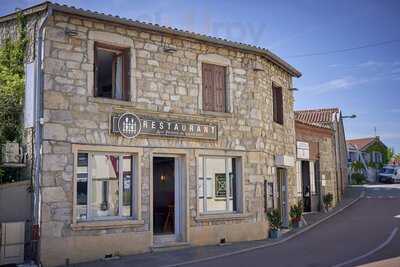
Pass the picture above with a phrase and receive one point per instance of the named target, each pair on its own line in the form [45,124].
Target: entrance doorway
[164,195]
[305,175]
[282,195]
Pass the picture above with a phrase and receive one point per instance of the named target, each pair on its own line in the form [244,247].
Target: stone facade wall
[324,138]
[164,85]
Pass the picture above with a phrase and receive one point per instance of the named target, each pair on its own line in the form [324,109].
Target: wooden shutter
[214,88]
[96,71]
[277,104]
[274,104]
[208,81]
[126,74]
[219,88]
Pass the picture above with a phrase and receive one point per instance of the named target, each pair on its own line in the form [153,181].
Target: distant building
[370,152]
[316,173]
[332,119]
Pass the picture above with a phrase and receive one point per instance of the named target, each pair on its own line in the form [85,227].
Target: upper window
[214,87]
[104,186]
[218,184]
[277,104]
[112,72]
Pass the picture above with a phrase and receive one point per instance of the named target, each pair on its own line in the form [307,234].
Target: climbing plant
[12,55]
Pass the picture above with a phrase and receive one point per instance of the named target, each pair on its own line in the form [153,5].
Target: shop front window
[217,184]
[104,186]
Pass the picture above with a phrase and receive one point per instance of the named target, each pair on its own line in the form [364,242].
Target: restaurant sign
[131,125]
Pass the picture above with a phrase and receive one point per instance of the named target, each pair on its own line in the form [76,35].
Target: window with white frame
[218,184]
[104,186]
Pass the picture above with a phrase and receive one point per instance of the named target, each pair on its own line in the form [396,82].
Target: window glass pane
[127,186]
[118,78]
[81,186]
[104,73]
[200,184]
[231,169]
[215,173]
[105,185]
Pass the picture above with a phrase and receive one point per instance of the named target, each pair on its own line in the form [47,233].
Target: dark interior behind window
[111,72]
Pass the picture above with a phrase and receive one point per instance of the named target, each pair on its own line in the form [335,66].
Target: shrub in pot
[328,198]
[296,212]
[275,222]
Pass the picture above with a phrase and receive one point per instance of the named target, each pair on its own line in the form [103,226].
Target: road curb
[307,228]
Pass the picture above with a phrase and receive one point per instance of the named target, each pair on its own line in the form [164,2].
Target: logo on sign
[129,125]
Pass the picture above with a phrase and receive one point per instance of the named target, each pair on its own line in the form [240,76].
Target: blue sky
[365,82]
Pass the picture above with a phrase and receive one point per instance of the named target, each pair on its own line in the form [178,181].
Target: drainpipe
[38,109]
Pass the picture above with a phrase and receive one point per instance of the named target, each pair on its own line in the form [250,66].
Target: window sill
[216,114]
[111,101]
[222,217]
[94,225]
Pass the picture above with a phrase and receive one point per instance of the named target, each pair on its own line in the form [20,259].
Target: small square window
[112,72]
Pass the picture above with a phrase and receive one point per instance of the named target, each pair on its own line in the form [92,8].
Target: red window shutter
[208,87]
[219,89]
[126,75]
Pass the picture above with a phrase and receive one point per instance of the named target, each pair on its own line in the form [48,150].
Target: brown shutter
[219,88]
[126,75]
[208,82]
[95,91]
[274,104]
[214,88]
[277,98]
[280,105]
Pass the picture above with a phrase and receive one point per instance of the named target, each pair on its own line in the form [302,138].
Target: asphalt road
[366,232]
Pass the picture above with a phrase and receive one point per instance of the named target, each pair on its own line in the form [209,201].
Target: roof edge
[163,29]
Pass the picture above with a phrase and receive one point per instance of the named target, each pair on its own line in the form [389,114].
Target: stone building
[331,118]
[152,136]
[315,164]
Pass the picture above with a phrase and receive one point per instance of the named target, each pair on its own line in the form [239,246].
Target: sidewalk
[173,258]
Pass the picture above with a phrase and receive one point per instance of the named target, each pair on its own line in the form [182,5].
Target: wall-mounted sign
[130,125]
[303,150]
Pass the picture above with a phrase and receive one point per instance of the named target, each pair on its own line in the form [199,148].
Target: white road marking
[397,216]
[381,246]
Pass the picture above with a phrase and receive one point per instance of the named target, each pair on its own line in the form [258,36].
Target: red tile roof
[361,142]
[318,117]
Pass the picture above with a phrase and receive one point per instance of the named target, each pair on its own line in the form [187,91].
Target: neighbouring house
[152,137]
[366,156]
[315,164]
[332,119]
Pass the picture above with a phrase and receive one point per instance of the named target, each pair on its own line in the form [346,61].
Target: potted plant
[296,211]
[275,222]
[328,198]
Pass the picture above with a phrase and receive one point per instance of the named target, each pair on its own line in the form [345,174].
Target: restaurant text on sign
[130,125]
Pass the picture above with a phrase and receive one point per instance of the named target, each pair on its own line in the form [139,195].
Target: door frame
[282,183]
[181,192]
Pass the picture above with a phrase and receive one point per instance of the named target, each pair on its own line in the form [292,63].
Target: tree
[12,55]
